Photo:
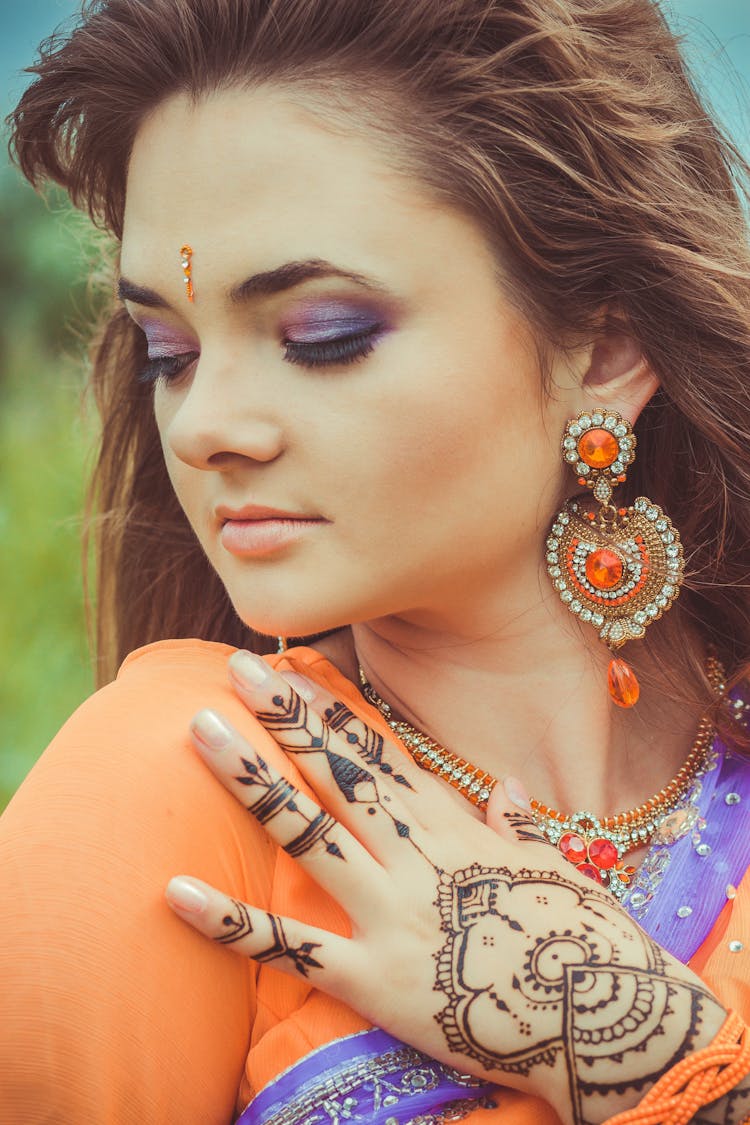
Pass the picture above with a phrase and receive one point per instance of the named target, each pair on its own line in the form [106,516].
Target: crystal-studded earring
[281,644]
[618,569]
[186,261]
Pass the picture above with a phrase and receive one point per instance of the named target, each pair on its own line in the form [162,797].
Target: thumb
[509,813]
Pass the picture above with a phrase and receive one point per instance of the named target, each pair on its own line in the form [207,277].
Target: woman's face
[351,409]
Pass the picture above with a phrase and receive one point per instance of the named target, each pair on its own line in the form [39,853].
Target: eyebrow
[265,284]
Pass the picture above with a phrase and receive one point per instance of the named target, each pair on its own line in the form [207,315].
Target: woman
[382,268]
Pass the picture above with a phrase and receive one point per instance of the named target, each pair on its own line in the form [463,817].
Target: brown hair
[568,128]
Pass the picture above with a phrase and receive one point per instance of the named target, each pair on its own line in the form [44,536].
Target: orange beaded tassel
[697,1080]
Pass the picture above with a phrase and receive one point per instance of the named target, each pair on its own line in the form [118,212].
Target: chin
[290,622]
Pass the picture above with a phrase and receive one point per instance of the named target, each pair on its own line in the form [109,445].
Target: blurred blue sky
[717,31]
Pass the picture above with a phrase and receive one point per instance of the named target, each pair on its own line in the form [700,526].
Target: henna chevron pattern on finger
[300,732]
[235,928]
[277,795]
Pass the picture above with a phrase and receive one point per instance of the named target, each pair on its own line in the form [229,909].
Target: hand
[518,968]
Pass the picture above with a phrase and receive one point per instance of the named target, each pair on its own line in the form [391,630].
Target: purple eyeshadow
[316,321]
[163,342]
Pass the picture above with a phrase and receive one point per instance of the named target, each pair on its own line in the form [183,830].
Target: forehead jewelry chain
[595,845]
[186,255]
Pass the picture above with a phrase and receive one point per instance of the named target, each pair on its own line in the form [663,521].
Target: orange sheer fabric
[111,1009]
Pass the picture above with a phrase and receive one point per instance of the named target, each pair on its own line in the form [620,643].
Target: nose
[222,415]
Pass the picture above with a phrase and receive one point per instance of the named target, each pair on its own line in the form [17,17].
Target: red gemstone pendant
[573,847]
[589,870]
[603,853]
[593,855]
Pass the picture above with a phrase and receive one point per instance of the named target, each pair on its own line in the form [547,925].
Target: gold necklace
[596,845]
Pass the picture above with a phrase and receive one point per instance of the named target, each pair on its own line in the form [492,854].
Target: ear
[618,376]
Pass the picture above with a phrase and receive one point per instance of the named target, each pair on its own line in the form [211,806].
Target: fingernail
[249,668]
[211,729]
[516,793]
[301,685]
[184,895]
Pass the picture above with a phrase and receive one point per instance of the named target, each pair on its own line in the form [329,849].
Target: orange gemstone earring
[618,569]
[186,254]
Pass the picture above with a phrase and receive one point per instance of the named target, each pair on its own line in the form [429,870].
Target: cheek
[462,433]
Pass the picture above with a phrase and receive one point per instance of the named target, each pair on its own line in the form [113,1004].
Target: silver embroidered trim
[392,1078]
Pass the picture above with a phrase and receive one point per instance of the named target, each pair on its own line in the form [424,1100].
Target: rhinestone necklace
[596,845]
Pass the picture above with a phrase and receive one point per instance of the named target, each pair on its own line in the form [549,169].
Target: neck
[526,694]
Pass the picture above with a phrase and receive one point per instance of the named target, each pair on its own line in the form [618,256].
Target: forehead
[253,178]
[238,164]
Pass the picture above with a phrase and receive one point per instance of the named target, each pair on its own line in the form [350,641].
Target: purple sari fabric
[681,888]
[679,891]
[367,1079]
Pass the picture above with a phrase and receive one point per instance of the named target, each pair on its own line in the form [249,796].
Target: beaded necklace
[595,845]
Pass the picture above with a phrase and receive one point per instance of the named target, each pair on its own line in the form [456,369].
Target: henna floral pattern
[605,989]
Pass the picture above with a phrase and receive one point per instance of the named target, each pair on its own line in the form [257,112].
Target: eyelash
[343,350]
[166,367]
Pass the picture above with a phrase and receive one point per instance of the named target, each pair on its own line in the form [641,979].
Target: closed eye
[340,351]
[165,368]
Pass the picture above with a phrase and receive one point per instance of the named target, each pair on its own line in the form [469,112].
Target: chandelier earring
[617,569]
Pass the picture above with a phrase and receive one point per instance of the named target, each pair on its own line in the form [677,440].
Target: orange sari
[111,1009]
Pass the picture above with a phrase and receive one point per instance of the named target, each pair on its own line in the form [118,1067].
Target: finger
[429,801]
[308,833]
[425,796]
[354,779]
[366,742]
[509,813]
[290,946]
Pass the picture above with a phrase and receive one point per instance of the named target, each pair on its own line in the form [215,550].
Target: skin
[432,470]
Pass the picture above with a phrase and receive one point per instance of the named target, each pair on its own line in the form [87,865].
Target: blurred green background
[46,435]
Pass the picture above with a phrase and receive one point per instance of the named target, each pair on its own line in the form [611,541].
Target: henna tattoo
[240,926]
[236,928]
[587,1002]
[369,743]
[525,828]
[276,796]
[301,731]
[300,956]
[294,721]
[315,831]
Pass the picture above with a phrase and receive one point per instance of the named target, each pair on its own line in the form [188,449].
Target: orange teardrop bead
[598,448]
[623,684]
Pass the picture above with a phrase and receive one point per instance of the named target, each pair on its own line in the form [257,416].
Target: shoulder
[129,743]
[144,714]
[95,967]
[124,759]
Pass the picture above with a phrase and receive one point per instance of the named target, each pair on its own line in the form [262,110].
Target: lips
[260,512]
[256,530]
